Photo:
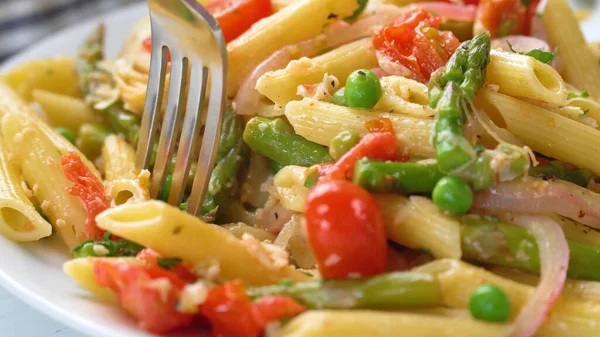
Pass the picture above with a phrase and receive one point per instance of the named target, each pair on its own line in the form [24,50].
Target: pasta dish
[383,166]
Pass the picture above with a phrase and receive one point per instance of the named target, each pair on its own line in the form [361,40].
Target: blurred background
[23,22]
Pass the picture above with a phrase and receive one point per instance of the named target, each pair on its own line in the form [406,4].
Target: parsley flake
[538,54]
[168,263]
[584,94]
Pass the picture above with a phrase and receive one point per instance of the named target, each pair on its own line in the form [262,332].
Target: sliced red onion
[532,195]
[554,261]
[394,68]
[449,10]
[273,216]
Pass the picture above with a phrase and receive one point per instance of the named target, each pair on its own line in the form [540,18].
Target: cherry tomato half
[237,16]
[506,17]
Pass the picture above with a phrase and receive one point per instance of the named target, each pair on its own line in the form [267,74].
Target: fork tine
[154,97]
[191,129]
[210,139]
[171,121]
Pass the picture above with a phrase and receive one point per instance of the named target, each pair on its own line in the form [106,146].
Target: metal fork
[184,30]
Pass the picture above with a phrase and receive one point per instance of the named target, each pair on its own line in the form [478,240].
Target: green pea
[338,98]
[453,194]
[275,166]
[363,89]
[85,250]
[164,192]
[489,303]
[67,133]
[342,143]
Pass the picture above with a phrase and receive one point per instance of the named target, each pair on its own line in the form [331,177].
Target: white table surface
[18,319]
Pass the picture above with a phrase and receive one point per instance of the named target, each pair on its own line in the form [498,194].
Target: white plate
[33,271]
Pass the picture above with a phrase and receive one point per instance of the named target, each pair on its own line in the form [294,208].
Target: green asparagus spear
[91,139]
[342,143]
[558,170]
[90,52]
[275,139]
[386,291]
[405,178]
[488,240]
[123,122]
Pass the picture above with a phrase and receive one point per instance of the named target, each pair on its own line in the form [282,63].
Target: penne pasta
[239,229]
[65,111]
[289,184]
[581,67]
[299,21]
[19,220]
[281,86]
[320,122]
[40,163]
[122,184]
[417,223]
[55,75]
[523,76]
[172,232]
[404,96]
[569,316]
[539,128]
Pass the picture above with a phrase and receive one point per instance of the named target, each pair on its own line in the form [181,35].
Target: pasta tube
[297,22]
[171,232]
[405,96]
[417,223]
[543,131]
[281,86]
[10,103]
[569,317]
[524,76]
[320,122]
[40,163]
[66,111]
[289,184]
[122,184]
[19,221]
[581,66]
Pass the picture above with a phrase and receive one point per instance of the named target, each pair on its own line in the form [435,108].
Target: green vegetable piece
[489,303]
[168,263]
[385,291]
[276,140]
[164,191]
[453,152]
[67,133]
[480,174]
[404,178]
[84,250]
[584,94]
[113,248]
[312,177]
[91,139]
[342,143]
[363,89]
[452,194]
[338,97]
[538,54]
[362,4]
[463,30]
[275,166]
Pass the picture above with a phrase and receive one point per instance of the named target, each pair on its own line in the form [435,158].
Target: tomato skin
[345,230]
[506,17]
[381,124]
[414,42]
[155,311]
[151,257]
[231,313]
[237,16]
[378,145]
[89,189]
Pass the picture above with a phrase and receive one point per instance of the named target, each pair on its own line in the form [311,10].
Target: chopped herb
[118,247]
[584,94]
[286,282]
[538,54]
[560,170]
[38,208]
[362,4]
[526,2]
[332,16]
[585,112]
[184,205]
[311,179]
[168,263]
[433,12]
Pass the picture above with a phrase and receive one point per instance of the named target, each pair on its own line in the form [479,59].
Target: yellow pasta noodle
[52,74]
[19,221]
[171,232]
[544,131]
[524,76]
[281,86]
[289,183]
[66,111]
[122,184]
[417,223]
[581,67]
[405,96]
[320,122]
[40,163]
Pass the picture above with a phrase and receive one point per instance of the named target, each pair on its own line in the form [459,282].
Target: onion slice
[533,195]
[449,10]
[554,260]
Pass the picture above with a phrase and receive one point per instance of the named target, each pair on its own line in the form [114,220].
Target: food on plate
[383,166]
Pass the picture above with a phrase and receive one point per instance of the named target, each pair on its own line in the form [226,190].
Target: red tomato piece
[151,257]
[231,313]
[414,42]
[148,293]
[345,230]
[506,17]
[380,145]
[237,16]
[381,124]
[89,189]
